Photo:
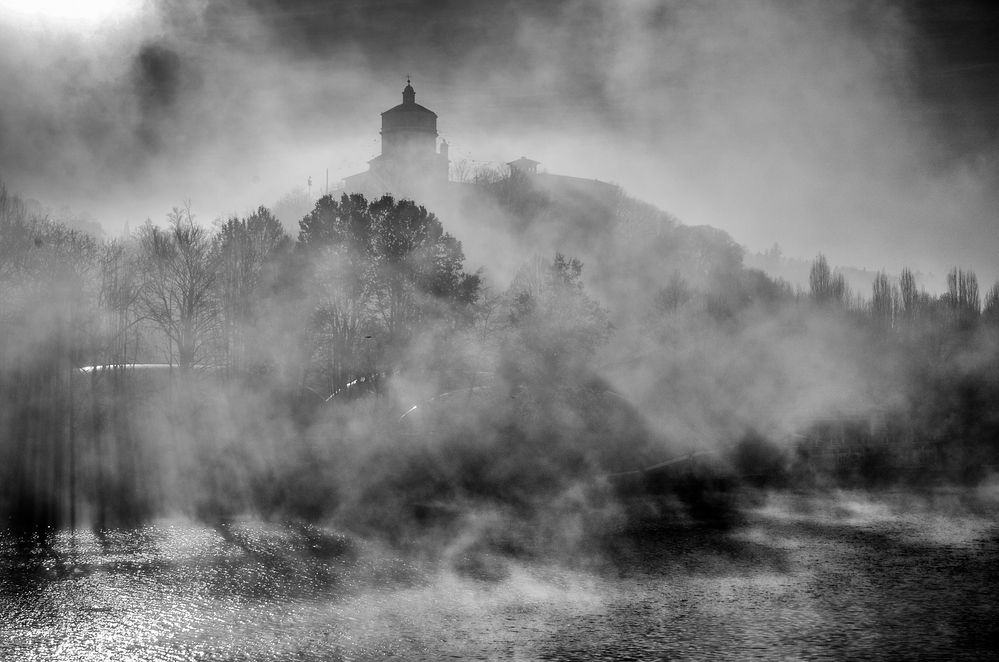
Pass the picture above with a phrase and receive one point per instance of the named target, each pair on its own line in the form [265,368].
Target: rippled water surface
[801,577]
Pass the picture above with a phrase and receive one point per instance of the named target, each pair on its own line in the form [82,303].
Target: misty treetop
[382,273]
[178,294]
[826,287]
[252,254]
[557,321]
[269,346]
[390,242]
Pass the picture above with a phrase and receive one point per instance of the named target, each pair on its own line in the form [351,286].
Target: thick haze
[865,130]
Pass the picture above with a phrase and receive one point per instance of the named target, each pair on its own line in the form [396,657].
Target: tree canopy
[382,272]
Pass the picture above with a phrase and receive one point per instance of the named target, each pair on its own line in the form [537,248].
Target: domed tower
[409,129]
[410,159]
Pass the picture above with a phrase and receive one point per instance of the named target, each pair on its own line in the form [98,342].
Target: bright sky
[70,14]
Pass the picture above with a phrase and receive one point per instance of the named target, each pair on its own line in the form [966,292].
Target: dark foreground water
[801,577]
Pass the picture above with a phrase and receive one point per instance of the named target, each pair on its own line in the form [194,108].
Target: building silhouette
[524,166]
[414,164]
[410,161]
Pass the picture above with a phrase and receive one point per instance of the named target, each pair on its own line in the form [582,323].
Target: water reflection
[785,582]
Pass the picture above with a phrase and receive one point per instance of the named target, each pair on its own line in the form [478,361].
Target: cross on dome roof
[408,94]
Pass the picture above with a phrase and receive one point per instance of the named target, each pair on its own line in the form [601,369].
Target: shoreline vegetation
[361,374]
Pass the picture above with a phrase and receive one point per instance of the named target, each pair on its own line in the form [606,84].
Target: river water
[800,576]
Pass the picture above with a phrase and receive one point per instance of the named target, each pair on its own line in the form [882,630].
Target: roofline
[409,107]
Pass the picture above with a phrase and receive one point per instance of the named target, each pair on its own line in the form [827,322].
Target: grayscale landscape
[569,330]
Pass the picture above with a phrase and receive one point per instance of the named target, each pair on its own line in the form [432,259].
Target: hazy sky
[865,130]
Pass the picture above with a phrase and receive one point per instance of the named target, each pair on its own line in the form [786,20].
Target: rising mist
[570,373]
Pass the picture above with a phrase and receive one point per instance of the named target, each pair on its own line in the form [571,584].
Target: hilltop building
[524,165]
[410,160]
[414,164]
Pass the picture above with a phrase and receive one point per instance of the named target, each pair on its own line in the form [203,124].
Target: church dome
[410,158]
[409,115]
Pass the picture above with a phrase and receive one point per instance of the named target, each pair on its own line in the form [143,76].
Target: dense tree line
[717,353]
[359,368]
[94,335]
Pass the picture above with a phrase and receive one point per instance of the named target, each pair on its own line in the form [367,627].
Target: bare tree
[177,292]
[909,294]
[990,310]
[884,300]
[826,286]
[121,285]
[462,171]
[962,297]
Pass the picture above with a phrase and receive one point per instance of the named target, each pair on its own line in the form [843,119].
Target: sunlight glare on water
[808,580]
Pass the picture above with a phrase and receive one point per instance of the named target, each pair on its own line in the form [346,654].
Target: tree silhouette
[884,300]
[826,287]
[244,250]
[553,317]
[909,294]
[990,307]
[962,297]
[47,295]
[180,271]
[382,271]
